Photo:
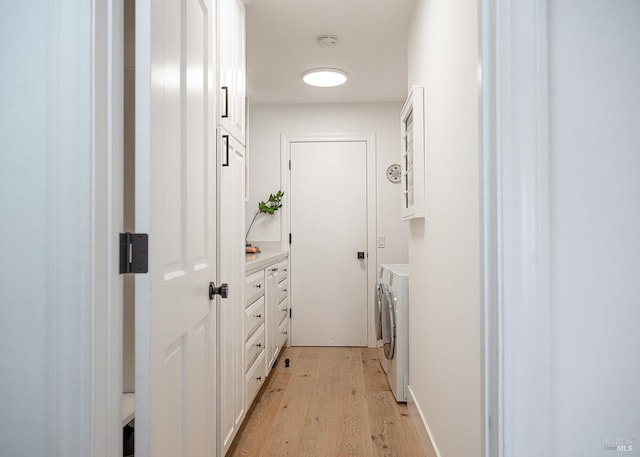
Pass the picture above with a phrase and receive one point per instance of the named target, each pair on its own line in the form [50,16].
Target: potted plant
[273,204]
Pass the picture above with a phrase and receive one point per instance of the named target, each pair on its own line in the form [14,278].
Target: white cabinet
[264,331]
[413,155]
[232,67]
[254,336]
[277,301]
[231,316]
[241,329]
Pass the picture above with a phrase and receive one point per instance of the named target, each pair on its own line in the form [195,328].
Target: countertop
[262,259]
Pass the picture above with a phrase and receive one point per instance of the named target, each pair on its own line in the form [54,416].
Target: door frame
[371,192]
[514,94]
[108,83]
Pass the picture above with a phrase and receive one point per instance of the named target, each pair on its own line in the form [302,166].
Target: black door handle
[223,290]
[360,255]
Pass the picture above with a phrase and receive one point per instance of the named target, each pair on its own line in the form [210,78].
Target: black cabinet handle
[225,89]
[225,138]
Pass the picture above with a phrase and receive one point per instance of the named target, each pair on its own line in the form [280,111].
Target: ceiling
[282,43]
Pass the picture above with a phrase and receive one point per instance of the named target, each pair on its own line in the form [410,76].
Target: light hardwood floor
[330,402]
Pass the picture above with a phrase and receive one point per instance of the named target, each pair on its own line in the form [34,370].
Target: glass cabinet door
[413,173]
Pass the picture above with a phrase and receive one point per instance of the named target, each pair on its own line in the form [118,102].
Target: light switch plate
[381,241]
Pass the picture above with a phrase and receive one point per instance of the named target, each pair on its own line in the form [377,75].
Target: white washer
[383,274]
[395,326]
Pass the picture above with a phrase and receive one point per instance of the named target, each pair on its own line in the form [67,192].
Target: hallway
[331,401]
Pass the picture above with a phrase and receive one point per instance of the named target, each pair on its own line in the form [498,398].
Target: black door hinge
[134,253]
[289,238]
[289,313]
[289,164]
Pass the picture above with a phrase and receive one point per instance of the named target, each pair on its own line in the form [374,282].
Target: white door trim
[107,144]
[84,288]
[517,228]
[285,156]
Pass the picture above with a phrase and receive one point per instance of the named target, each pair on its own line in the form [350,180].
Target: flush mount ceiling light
[325,77]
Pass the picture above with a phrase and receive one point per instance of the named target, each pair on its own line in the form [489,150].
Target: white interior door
[328,217]
[176,205]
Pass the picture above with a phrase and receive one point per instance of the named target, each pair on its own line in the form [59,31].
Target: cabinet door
[271,320]
[232,67]
[413,155]
[231,310]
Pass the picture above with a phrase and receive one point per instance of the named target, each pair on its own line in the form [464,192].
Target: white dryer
[395,326]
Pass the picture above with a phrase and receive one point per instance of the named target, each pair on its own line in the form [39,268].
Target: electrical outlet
[381,241]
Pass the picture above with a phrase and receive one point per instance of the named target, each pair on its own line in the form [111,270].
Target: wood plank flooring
[330,402]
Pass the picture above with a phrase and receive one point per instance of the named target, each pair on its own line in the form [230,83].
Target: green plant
[273,204]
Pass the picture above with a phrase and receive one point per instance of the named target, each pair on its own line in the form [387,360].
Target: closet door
[176,206]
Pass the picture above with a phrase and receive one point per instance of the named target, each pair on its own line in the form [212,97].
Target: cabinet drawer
[283,290]
[283,332]
[253,286]
[253,317]
[283,269]
[253,347]
[254,379]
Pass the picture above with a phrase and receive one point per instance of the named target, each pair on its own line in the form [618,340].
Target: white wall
[595,224]
[23,230]
[268,122]
[444,248]
[47,230]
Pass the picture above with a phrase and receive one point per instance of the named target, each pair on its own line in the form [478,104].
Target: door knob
[360,255]
[223,290]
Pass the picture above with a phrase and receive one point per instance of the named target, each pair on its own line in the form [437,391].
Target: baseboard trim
[420,422]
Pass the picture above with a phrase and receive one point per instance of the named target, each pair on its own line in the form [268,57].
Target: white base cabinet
[267,288]
[254,325]
[277,309]
[254,335]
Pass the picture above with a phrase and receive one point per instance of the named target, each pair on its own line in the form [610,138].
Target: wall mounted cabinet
[413,155]
[232,68]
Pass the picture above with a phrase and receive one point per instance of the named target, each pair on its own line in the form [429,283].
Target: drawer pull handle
[284,290]
[258,316]
[259,378]
[258,286]
[285,332]
[259,345]
[274,269]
